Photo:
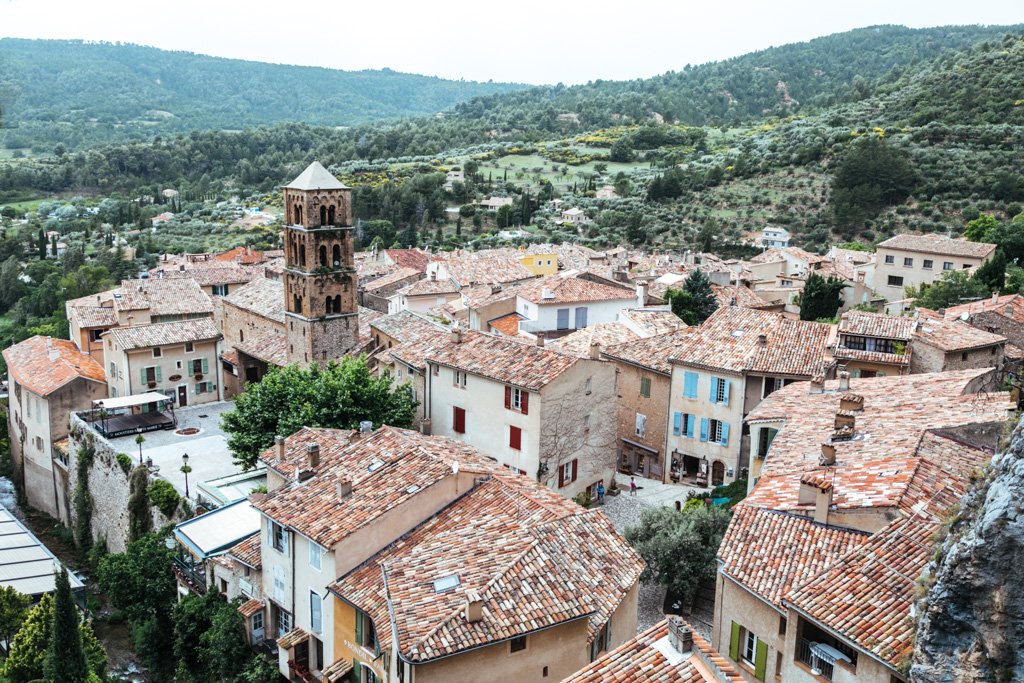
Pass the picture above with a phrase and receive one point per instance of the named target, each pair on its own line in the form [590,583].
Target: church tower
[321,316]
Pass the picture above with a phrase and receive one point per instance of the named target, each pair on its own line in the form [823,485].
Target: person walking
[632,486]
[600,492]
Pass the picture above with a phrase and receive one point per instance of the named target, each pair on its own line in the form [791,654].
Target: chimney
[456,334]
[433,275]
[844,380]
[312,455]
[641,294]
[828,455]
[851,402]
[365,427]
[540,339]
[474,607]
[817,385]
[595,351]
[822,503]
[279,447]
[680,637]
[344,489]
[425,426]
[995,297]
[762,340]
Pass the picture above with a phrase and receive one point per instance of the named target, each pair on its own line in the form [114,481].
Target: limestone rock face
[971,626]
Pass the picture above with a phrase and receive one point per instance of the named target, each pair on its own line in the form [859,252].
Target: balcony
[192,576]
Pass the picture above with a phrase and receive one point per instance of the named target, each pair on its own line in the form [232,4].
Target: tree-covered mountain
[77,93]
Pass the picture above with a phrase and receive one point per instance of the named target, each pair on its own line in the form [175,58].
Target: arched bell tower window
[336,255]
[323,255]
[323,215]
[330,215]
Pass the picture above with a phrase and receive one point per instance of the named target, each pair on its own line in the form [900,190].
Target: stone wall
[107,487]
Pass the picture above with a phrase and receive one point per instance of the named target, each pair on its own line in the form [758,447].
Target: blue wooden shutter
[725,433]
[563,319]
[725,392]
[581,317]
[143,375]
[689,426]
[703,429]
[714,389]
[677,423]
[690,385]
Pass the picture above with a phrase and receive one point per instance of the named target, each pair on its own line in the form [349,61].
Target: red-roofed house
[49,378]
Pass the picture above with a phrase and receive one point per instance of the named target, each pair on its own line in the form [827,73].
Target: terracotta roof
[776,254]
[162,297]
[842,353]
[742,295]
[414,352]
[771,552]
[429,287]
[729,340]
[535,561]
[648,322]
[92,316]
[649,658]
[251,607]
[878,325]
[44,364]
[954,335]
[393,278]
[484,295]
[162,334]
[571,290]
[938,244]
[605,335]
[477,271]
[248,552]
[405,326]
[268,346]
[1010,306]
[409,258]
[206,276]
[262,296]
[336,672]
[330,441]
[292,638]
[507,325]
[503,360]
[652,353]
[242,255]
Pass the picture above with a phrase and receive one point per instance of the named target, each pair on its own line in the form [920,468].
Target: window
[602,641]
[641,425]
[157,352]
[771,384]
[966,265]
[257,621]
[283,623]
[189,347]
[908,262]
[928,263]
[947,265]
[567,473]
[515,438]
[720,390]
[782,626]
[96,335]
[315,612]
[517,399]
[764,441]
[749,648]
[890,259]
[220,290]
[586,423]
[895,281]
[517,644]
[151,374]
[459,378]
[645,387]
[113,370]
[316,553]
[317,655]
[581,317]
[689,385]
[279,538]
[563,319]
[366,635]
[963,356]
[714,431]
[459,420]
[682,424]
[198,366]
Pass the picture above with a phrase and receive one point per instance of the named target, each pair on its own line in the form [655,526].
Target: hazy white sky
[529,41]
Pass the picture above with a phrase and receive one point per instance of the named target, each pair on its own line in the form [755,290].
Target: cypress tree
[704,303]
[65,659]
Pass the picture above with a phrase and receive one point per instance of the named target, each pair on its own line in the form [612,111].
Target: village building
[358,531]
[538,412]
[668,652]
[574,216]
[540,264]
[774,237]
[722,370]
[252,321]
[909,260]
[377,293]
[874,344]
[644,379]
[557,305]
[178,359]
[423,296]
[940,345]
[48,378]
[404,340]
[215,278]
[818,569]
[479,269]
[1002,315]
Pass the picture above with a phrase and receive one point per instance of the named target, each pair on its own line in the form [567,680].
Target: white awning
[129,401]
[25,563]
[216,531]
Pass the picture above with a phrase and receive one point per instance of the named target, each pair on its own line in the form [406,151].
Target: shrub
[163,497]
[125,461]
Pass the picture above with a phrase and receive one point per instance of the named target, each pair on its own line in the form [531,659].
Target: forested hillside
[77,93]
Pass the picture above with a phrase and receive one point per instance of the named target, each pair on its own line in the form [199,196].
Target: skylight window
[446,583]
[375,465]
[737,333]
[412,489]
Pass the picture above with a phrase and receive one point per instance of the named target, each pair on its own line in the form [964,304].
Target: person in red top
[632,486]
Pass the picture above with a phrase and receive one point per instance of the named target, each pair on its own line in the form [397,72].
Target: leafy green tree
[822,297]
[260,670]
[11,286]
[992,273]
[953,288]
[696,301]
[223,650]
[65,659]
[13,609]
[340,395]
[621,150]
[679,547]
[27,653]
[870,176]
[984,228]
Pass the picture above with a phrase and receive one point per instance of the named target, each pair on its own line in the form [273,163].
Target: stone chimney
[851,402]
[762,340]
[680,636]
[456,334]
[595,351]
[279,447]
[474,607]
[425,426]
[312,455]
[344,489]
[641,294]
[828,455]
[995,297]
[844,380]
[816,385]
[540,340]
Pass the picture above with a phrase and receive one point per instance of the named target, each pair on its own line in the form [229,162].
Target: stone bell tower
[321,315]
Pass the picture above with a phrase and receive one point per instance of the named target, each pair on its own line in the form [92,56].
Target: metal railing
[192,576]
[819,666]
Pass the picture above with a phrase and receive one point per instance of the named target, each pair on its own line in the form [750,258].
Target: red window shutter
[526,402]
[575,462]
[515,438]
[561,476]
[508,397]
[460,420]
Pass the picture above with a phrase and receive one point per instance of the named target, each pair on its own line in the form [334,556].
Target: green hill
[79,93]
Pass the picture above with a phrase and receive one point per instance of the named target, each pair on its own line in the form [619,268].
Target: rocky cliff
[971,619]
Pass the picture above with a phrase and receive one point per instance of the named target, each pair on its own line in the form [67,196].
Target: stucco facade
[642,423]
[708,430]
[191,372]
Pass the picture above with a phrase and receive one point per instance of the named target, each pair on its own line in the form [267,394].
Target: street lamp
[185,469]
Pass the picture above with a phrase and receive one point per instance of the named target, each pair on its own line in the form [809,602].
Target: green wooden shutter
[760,659]
[206,366]
[143,375]
[159,374]
[734,643]
[359,628]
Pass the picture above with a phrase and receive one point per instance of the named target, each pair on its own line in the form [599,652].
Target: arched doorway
[717,473]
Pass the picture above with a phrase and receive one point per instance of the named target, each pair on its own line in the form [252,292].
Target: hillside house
[913,260]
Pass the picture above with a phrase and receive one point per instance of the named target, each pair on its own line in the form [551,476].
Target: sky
[530,41]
